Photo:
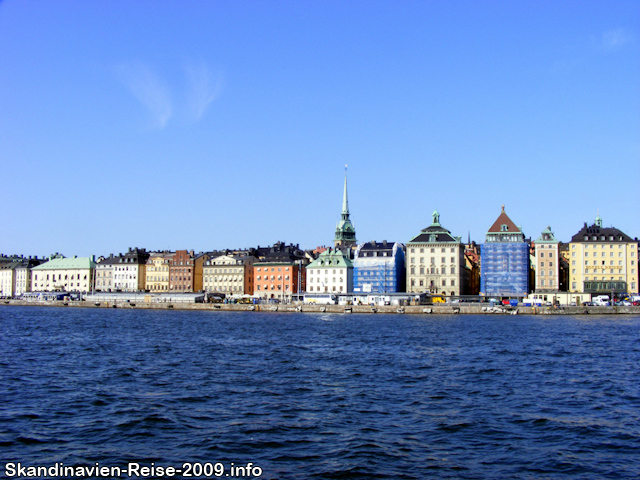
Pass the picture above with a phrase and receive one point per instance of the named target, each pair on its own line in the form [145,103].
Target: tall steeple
[345,200]
[345,232]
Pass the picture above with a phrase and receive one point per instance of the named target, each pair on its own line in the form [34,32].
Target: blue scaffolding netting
[504,269]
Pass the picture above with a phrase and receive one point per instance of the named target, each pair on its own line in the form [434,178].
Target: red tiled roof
[504,219]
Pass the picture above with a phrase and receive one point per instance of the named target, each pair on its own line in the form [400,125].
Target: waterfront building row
[506,264]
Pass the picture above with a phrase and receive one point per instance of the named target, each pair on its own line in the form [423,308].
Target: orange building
[278,279]
[280,273]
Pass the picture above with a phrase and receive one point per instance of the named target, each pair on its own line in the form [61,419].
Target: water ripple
[324,396]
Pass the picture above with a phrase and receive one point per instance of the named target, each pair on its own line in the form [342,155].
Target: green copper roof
[331,258]
[67,264]
[345,231]
[547,237]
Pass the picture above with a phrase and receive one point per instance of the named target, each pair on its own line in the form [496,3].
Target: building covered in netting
[378,267]
[504,260]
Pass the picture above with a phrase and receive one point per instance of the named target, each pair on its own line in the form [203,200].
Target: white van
[601,301]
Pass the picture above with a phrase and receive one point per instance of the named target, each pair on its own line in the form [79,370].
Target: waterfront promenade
[442,309]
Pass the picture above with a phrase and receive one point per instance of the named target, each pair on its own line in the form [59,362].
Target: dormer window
[503,228]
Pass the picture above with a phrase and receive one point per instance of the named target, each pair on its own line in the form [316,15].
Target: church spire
[345,200]
[345,232]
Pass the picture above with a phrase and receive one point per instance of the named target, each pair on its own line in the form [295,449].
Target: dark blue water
[323,396]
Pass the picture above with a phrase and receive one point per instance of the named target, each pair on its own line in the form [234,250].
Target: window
[413,270]
[444,282]
[541,254]
[542,264]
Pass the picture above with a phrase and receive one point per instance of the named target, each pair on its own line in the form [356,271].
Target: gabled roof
[504,219]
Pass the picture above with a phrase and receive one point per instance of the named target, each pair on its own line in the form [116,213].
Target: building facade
[230,274]
[104,274]
[379,267]
[281,273]
[331,272]
[128,270]
[24,276]
[182,272]
[547,262]
[74,274]
[504,260]
[157,271]
[8,278]
[603,260]
[436,262]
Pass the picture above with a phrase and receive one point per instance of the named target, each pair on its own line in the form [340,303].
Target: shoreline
[341,309]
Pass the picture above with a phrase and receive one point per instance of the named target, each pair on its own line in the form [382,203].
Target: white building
[229,274]
[64,274]
[331,272]
[8,278]
[129,270]
[435,261]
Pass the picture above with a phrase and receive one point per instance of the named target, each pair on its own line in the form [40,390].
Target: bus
[319,298]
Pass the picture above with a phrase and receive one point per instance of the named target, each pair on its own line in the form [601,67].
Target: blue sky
[208,125]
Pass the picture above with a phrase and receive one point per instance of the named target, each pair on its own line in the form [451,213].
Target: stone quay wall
[307,308]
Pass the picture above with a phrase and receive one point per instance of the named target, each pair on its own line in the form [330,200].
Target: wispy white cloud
[612,39]
[150,91]
[203,88]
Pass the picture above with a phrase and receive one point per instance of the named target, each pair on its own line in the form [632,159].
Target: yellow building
[157,272]
[603,260]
